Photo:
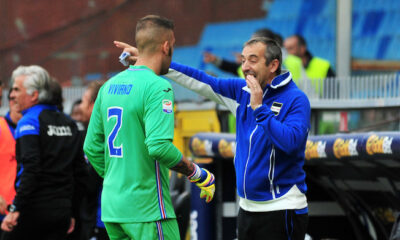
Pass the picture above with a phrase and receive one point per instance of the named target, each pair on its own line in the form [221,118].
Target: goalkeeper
[129,142]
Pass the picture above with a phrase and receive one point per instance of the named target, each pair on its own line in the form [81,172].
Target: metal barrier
[353,92]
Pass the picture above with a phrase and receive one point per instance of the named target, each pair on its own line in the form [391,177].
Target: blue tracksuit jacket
[270,140]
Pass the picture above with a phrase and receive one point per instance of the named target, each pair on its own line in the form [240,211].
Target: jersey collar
[139,68]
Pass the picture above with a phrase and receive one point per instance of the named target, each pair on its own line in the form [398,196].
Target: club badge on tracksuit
[276,108]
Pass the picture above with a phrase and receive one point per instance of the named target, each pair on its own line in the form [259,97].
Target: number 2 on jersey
[114,112]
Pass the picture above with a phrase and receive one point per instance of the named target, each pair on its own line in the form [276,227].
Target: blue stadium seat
[111,74]
[284,9]
[365,47]
[386,24]
[362,6]
[229,33]
[393,53]
[191,56]
[322,47]
[357,23]
[372,22]
[329,10]
[393,5]
[396,20]
[356,6]
[384,44]
[93,76]
[320,28]
[285,27]
[313,7]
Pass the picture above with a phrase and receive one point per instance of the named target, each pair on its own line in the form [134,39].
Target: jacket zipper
[272,171]
[247,161]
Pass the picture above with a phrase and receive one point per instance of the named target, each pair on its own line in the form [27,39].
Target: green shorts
[159,230]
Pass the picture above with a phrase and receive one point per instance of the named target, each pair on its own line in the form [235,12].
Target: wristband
[196,174]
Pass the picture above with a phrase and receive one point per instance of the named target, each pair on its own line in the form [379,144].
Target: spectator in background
[56,97]
[309,73]
[8,164]
[76,112]
[89,223]
[303,65]
[234,67]
[50,161]
[88,100]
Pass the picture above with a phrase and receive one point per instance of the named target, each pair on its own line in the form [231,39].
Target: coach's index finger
[122,44]
[128,48]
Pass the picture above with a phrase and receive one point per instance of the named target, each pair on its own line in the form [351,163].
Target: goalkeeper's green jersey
[129,144]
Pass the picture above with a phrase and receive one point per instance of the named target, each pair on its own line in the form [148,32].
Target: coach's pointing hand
[130,49]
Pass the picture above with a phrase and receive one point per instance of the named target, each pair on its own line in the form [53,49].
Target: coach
[50,161]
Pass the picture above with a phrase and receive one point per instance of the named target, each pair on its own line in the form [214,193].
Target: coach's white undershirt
[293,199]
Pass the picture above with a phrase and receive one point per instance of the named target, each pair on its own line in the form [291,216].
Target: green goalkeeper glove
[205,181]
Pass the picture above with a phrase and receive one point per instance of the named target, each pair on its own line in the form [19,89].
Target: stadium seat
[357,23]
[93,76]
[365,47]
[230,33]
[392,53]
[329,9]
[191,56]
[385,42]
[372,23]
[284,27]
[322,47]
[284,9]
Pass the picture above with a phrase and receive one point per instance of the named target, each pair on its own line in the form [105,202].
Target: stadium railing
[354,92]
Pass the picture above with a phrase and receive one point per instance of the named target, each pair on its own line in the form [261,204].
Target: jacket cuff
[261,112]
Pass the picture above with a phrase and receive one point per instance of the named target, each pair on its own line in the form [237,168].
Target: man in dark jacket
[50,161]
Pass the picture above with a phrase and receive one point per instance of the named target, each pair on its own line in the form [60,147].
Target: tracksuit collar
[281,80]
[38,107]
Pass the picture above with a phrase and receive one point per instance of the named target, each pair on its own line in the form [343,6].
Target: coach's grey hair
[37,79]
[272,50]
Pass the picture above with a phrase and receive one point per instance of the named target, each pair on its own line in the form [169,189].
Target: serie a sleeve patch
[167,106]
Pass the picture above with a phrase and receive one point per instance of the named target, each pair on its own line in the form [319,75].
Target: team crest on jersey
[276,108]
[167,106]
